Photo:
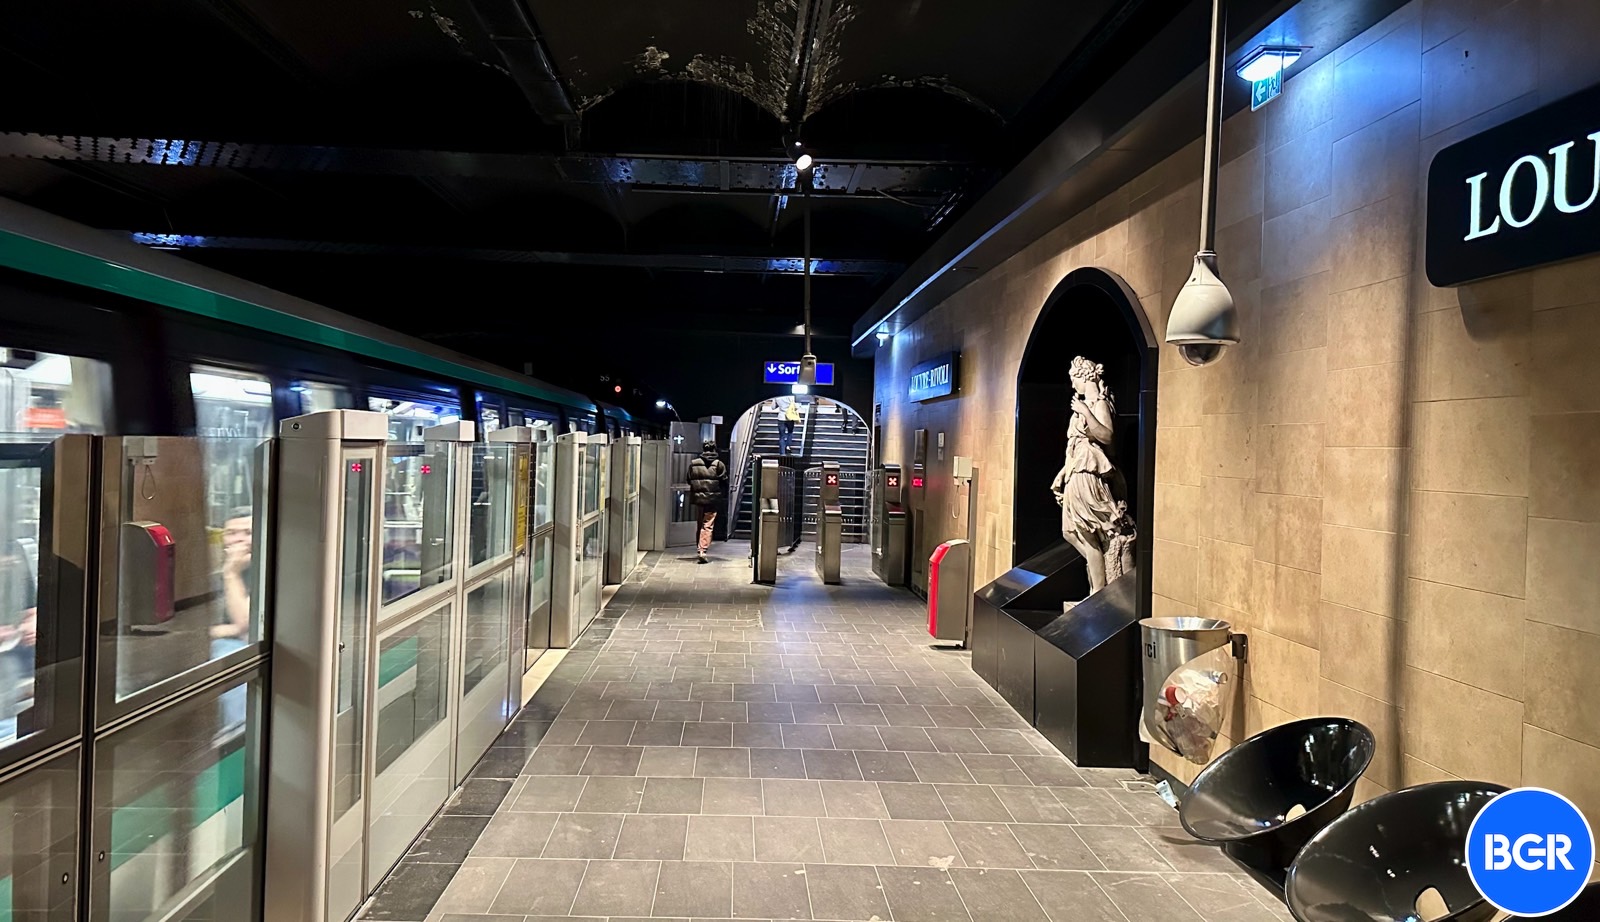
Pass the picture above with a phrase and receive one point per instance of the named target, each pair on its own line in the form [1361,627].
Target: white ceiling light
[1268,60]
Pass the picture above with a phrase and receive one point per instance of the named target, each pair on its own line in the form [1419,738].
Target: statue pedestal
[1073,675]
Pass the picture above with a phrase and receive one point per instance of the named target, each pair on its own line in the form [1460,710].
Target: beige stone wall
[1394,489]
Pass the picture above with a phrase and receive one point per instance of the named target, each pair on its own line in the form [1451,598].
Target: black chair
[1376,862]
[1586,908]
[1266,797]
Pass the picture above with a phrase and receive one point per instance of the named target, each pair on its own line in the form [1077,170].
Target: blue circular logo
[1529,852]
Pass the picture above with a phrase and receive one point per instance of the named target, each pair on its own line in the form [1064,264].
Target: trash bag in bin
[1185,712]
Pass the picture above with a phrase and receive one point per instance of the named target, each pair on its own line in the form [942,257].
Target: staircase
[824,433]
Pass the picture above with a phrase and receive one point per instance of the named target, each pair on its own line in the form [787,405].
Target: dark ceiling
[484,172]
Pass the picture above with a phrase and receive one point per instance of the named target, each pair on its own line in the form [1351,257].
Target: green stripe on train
[395,661]
[149,818]
[57,262]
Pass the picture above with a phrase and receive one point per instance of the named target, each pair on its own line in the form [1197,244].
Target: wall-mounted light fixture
[1204,320]
[1267,60]
[883,335]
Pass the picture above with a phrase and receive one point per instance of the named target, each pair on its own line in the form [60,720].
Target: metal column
[830,524]
[764,537]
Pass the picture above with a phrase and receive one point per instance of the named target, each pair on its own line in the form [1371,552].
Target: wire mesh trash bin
[1189,677]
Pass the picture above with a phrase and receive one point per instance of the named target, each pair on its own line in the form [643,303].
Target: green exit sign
[1266,90]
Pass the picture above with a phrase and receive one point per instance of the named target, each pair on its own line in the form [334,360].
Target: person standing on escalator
[708,485]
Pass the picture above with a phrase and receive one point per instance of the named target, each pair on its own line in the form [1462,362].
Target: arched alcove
[1093,313]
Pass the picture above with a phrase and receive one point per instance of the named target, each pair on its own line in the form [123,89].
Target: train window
[409,416]
[317,396]
[492,413]
[52,394]
[230,404]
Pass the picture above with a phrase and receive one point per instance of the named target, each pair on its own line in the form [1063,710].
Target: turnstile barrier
[830,524]
[764,536]
[889,532]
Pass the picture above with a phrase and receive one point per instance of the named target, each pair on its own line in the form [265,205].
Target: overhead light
[797,153]
[617,389]
[1267,60]
[883,337]
[799,389]
[661,404]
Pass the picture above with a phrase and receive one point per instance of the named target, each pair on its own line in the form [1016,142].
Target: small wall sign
[935,377]
[1517,196]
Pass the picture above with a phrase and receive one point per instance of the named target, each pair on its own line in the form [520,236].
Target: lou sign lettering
[1521,195]
[934,378]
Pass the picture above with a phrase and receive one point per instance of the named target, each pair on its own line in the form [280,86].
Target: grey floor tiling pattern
[716,750]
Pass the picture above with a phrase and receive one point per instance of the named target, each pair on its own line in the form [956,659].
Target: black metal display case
[1075,675]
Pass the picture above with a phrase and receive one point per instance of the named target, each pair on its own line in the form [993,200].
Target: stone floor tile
[787,838]
[583,835]
[770,891]
[923,894]
[539,886]
[650,837]
[720,838]
[617,888]
[845,892]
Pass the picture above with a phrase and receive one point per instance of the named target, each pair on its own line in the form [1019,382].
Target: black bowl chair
[1374,863]
[1242,800]
[1586,908]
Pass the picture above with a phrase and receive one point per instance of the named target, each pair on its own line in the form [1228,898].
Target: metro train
[104,335]
[99,336]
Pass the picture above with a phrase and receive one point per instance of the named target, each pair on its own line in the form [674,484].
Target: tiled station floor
[716,750]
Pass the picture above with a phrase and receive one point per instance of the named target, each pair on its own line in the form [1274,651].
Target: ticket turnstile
[622,529]
[916,520]
[830,524]
[655,494]
[889,525]
[764,536]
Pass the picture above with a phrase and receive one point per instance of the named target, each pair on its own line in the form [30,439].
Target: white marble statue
[1093,520]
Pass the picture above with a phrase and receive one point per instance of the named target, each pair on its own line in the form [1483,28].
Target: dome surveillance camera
[1204,320]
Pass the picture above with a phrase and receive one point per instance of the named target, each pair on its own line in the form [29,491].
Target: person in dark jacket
[708,484]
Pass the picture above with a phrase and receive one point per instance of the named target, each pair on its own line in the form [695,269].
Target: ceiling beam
[514,33]
[767,174]
[781,265]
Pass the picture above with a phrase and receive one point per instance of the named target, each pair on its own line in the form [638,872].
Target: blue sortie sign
[789,373]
